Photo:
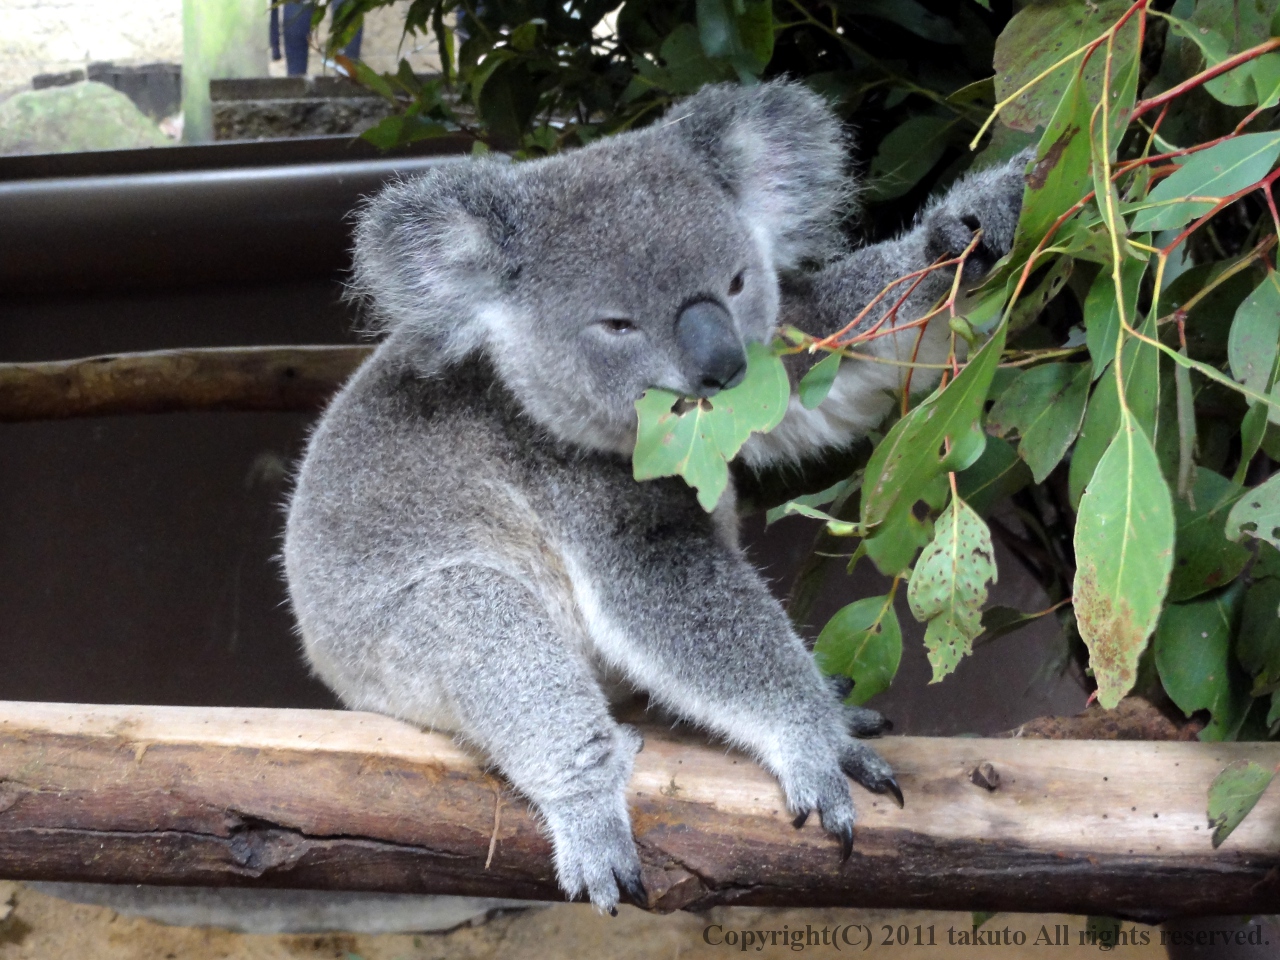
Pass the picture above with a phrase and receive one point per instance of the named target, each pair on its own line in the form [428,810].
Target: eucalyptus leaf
[1204,558]
[1059,177]
[1102,311]
[909,14]
[1217,172]
[1257,514]
[863,641]
[905,155]
[1233,793]
[1124,553]
[1235,87]
[698,443]
[996,475]
[1193,655]
[915,451]
[835,526]
[1037,37]
[816,383]
[1255,336]
[1258,638]
[1045,407]
[948,587]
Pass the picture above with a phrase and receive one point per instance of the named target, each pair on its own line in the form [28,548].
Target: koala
[466,548]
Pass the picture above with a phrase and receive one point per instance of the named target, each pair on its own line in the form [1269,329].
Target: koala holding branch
[466,548]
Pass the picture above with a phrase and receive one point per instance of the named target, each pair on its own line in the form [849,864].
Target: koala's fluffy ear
[780,151]
[430,253]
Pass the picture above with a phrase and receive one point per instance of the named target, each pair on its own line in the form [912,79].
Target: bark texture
[356,801]
[239,378]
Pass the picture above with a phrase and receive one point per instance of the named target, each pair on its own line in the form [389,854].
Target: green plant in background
[1112,413]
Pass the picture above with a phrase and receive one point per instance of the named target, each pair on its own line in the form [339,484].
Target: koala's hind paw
[868,768]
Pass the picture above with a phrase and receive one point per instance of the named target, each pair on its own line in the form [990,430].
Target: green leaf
[697,444]
[1031,305]
[908,14]
[913,454]
[1140,369]
[1233,793]
[1193,656]
[1214,173]
[863,641]
[835,526]
[1257,513]
[1038,36]
[756,34]
[996,475]
[1266,80]
[1045,406]
[1124,552]
[716,28]
[905,155]
[1101,313]
[1255,335]
[948,587]
[1060,176]
[1235,87]
[816,384]
[1101,420]
[1203,557]
[1258,639]
[837,492]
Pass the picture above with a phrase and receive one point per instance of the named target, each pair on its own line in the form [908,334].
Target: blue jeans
[296,33]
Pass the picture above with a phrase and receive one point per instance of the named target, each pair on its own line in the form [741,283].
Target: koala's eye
[735,285]
[618,325]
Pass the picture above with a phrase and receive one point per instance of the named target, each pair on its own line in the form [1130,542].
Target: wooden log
[240,378]
[356,801]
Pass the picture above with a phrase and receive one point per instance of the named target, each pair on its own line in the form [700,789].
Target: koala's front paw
[859,721]
[595,852]
[815,780]
[870,769]
[990,201]
[862,722]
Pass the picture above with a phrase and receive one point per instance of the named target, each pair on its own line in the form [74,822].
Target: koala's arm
[824,302]
[990,201]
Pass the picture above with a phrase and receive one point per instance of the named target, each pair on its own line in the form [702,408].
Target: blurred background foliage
[912,77]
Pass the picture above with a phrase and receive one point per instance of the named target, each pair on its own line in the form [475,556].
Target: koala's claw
[864,765]
[891,786]
[862,722]
[632,884]
[845,833]
[800,819]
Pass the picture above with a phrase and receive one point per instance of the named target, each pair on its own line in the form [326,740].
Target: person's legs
[296,28]
[352,49]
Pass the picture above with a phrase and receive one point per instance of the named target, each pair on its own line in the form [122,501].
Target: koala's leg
[524,693]
[685,617]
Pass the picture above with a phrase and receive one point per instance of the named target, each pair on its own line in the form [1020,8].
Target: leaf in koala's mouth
[696,439]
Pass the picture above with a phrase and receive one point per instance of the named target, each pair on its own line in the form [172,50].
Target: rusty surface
[110,806]
[239,378]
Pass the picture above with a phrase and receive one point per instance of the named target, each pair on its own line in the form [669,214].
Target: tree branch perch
[238,378]
[356,801]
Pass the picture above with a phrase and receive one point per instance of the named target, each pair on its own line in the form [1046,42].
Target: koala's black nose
[713,349]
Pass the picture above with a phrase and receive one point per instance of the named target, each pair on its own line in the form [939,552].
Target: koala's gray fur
[466,548]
